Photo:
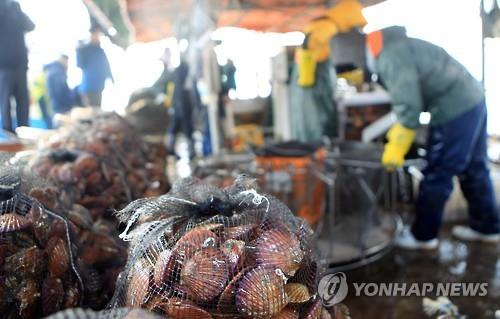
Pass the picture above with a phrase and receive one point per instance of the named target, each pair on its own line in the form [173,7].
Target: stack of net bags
[52,257]
[201,252]
[101,163]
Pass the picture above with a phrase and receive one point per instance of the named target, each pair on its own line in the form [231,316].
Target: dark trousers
[44,108]
[457,148]
[14,83]
[92,99]
[181,121]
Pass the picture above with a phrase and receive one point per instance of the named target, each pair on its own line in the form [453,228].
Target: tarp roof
[154,19]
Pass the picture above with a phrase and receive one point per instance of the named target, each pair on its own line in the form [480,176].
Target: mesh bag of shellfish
[101,163]
[51,257]
[201,252]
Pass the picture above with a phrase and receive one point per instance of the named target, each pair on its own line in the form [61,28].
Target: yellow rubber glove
[400,139]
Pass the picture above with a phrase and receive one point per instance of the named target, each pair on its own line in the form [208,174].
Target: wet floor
[454,262]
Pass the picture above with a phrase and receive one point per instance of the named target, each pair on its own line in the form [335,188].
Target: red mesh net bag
[202,252]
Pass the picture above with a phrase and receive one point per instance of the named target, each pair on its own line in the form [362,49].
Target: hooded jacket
[13,25]
[422,77]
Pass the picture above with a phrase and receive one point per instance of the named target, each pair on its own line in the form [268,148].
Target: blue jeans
[457,148]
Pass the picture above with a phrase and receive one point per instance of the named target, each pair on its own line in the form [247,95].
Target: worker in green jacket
[422,77]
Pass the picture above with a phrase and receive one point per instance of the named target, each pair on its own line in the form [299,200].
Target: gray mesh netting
[52,257]
[202,252]
[101,163]
[121,313]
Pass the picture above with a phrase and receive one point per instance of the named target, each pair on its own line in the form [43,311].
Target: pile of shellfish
[52,258]
[201,252]
[101,163]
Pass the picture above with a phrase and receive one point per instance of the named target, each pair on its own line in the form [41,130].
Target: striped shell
[242,232]
[281,249]
[11,222]
[183,309]
[313,310]
[261,293]
[195,240]
[58,257]
[226,299]
[138,286]
[287,313]
[163,268]
[206,273]
[307,273]
[297,293]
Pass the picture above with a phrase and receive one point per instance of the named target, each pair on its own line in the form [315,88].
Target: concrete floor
[453,262]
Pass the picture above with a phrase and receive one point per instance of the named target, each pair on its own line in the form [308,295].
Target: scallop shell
[195,240]
[226,299]
[183,309]
[297,293]
[313,310]
[58,257]
[281,249]
[261,293]
[52,295]
[163,268]
[307,273]
[206,273]
[242,232]
[235,252]
[138,286]
[11,222]
[40,224]
[287,313]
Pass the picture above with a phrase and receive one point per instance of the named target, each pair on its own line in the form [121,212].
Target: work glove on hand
[400,139]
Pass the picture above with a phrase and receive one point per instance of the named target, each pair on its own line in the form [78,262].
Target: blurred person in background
[40,95]
[422,77]
[175,90]
[51,90]
[13,63]
[93,62]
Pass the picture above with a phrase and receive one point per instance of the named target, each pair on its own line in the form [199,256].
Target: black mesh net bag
[202,252]
[52,256]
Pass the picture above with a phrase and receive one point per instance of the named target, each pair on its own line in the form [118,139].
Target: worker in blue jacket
[56,79]
[94,63]
[422,77]
[13,63]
